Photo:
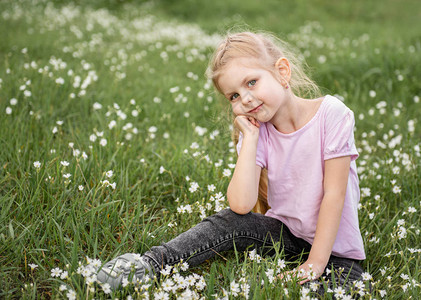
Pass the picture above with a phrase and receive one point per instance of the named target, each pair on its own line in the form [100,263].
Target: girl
[299,153]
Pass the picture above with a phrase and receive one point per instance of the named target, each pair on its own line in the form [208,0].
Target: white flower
[322,59]
[121,115]
[396,189]
[64,163]
[402,232]
[211,188]
[152,129]
[109,174]
[174,89]
[184,266]
[67,175]
[106,288]
[194,145]
[168,285]
[112,124]
[305,292]
[200,130]
[314,286]
[412,209]
[8,110]
[253,256]
[214,134]
[135,113]
[269,274]
[103,142]
[62,288]
[92,137]
[183,209]
[56,272]
[33,266]
[193,187]
[97,106]
[161,169]
[281,264]
[37,164]
[201,284]
[125,282]
[372,94]
[80,187]
[60,80]
[161,296]
[366,276]
[235,288]
[71,295]
[339,292]
[64,275]
[227,173]
[365,192]
[13,101]
[84,155]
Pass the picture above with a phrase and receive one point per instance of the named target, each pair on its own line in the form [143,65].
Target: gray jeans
[226,230]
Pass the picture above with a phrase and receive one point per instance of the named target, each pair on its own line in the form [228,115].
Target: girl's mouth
[256,109]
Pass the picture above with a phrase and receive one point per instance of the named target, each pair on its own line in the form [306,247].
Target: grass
[155,53]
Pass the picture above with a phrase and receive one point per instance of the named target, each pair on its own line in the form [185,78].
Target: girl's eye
[251,83]
[234,96]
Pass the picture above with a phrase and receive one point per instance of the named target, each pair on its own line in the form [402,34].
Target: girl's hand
[247,125]
[306,272]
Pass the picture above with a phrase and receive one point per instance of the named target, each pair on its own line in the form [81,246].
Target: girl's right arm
[243,189]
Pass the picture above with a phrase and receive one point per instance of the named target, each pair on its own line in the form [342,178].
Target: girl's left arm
[335,184]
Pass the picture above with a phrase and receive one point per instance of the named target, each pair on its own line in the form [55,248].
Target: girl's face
[252,91]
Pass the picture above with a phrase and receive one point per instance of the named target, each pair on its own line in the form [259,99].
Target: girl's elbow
[238,207]
[240,210]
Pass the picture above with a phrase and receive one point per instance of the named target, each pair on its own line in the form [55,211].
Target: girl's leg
[217,233]
[340,272]
[222,232]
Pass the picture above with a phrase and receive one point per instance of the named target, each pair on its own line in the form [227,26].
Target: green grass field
[113,140]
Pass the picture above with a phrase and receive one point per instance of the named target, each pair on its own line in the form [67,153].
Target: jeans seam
[226,239]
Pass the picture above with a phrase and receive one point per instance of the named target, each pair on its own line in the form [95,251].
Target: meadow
[113,140]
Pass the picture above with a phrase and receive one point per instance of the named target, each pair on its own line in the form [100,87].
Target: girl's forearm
[243,189]
[327,228]
[330,213]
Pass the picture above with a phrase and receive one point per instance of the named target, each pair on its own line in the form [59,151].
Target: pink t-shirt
[295,165]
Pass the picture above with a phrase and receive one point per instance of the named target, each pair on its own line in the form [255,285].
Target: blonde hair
[265,50]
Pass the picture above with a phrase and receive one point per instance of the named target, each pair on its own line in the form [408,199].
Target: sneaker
[129,267]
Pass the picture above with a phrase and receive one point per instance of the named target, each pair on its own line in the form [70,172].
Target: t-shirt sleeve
[261,154]
[339,135]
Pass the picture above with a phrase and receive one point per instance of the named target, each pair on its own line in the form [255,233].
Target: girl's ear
[284,69]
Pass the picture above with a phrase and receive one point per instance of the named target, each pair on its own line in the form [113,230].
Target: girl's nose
[246,97]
